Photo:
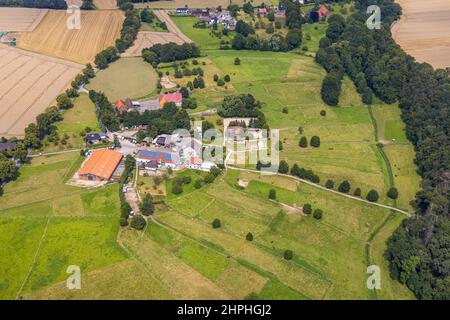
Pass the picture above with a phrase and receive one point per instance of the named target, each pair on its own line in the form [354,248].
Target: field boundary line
[318,186]
[44,235]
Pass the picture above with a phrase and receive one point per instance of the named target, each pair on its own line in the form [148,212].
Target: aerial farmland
[99,29]
[29,84]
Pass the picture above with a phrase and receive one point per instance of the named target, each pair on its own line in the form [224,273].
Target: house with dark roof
[94,138]
[183,11]
[7,146]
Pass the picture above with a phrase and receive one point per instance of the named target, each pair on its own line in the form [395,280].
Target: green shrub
[249,237]
[216,223]
[315,142]
[123,222]
[288,254]
[307,209]
[138,222]
[357,192]
[303,143]
[392,193]
[272,194]
[318,214]
[372,196]
[344,186]
[329,184]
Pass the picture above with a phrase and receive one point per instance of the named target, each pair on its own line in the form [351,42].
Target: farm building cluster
[128,105]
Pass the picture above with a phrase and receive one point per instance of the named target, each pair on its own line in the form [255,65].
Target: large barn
[100,166]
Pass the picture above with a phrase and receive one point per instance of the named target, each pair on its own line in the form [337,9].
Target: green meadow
[126,78]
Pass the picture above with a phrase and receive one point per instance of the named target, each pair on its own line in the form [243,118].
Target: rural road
[318,186]
[171,26]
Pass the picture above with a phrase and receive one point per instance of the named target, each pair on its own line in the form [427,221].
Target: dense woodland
[418,251]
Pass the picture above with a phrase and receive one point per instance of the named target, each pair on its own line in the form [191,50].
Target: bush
[372,196]
[323,113]
[249,237]
[329,184]
[227,78]
[198,183]
[283,167]
[146,206]
[272,194]
[216,223]
[237,62]
[177,188]
[215,78]
[315,142]
[344,186]
[285,110]
[220,83]
[307,209]
[123,221]
[138,222]
[288,254]
[392,193]
[318,214]
[303,143]
[357,192]
[187,179]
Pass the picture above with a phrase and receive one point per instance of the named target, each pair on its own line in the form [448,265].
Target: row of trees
[105,111]
[128,33]
[417,251]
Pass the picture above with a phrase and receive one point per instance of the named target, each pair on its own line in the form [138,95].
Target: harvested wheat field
[105,4]
[171,26]
[20,19]
[424,31]
[29,83]
[99,29]
[147,39]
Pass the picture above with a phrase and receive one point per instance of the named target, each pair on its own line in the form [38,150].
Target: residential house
[184,11]
[125,105]
[164,159]
[175,97]
[194,163]
[94,138]
[7,146]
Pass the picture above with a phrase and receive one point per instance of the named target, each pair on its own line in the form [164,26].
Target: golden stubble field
[105,4]
[29,83]
[99,29]
[20,19]
[424,31]
[147,39]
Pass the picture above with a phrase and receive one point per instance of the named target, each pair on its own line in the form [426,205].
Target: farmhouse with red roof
[175,97]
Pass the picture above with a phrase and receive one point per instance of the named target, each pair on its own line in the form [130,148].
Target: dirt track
[424,31]
[171,26]
[29,83]
[99,29]
[147,39]
[20,19]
